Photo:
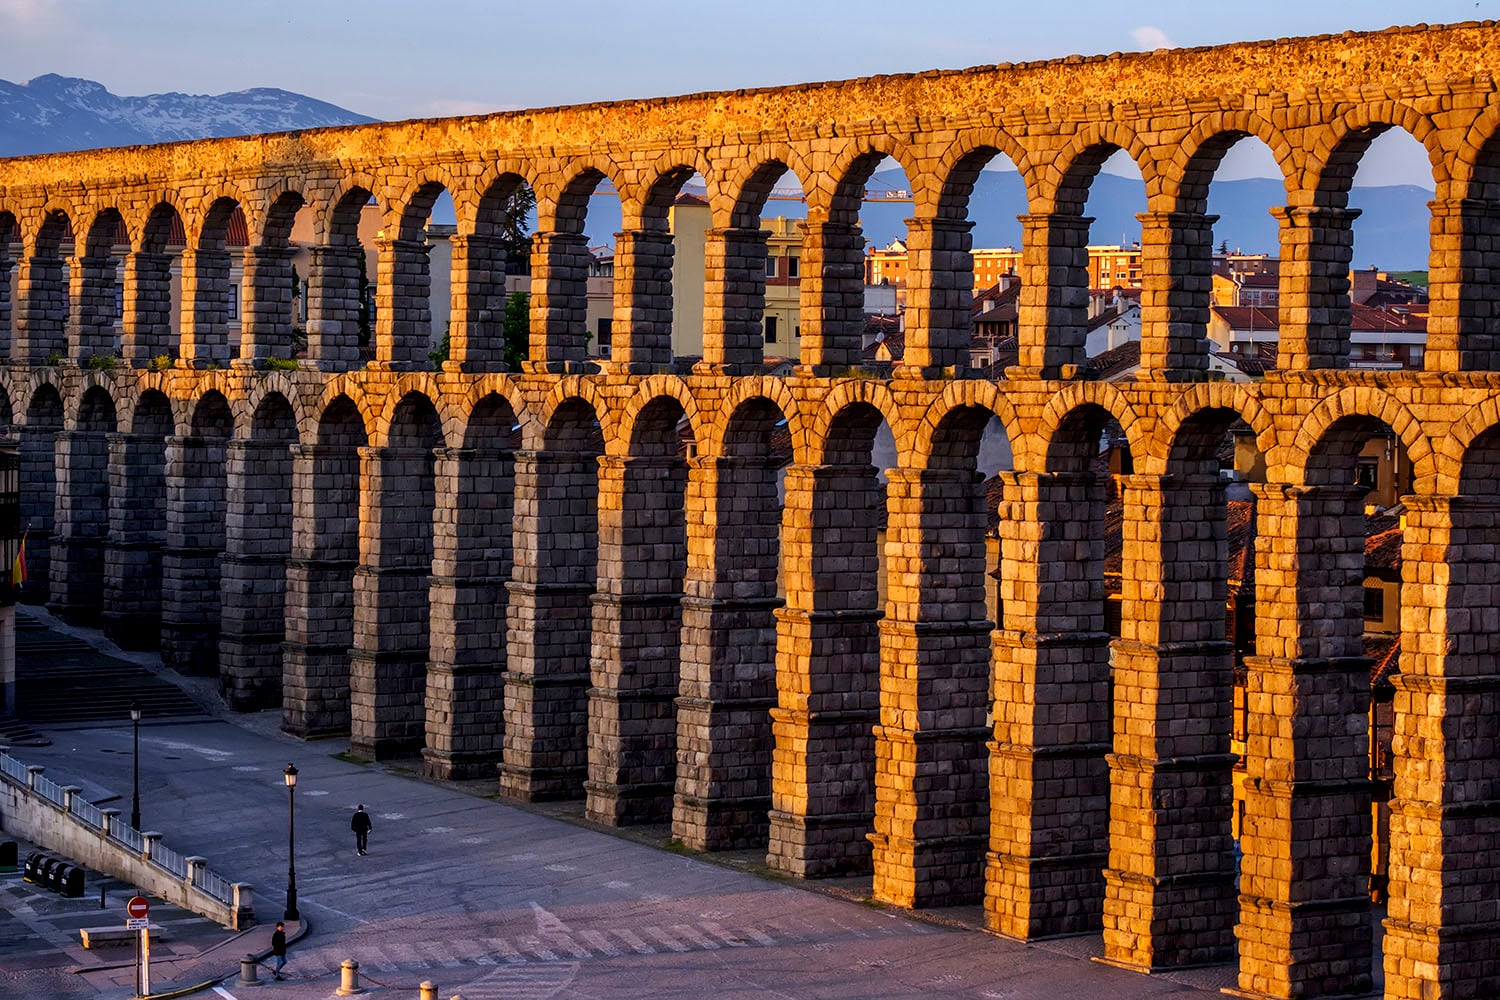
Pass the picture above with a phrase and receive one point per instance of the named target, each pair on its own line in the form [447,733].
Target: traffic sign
[138,907]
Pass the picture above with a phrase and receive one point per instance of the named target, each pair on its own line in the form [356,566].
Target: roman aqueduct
[570,572]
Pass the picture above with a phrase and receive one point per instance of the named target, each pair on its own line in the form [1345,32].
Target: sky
[395,59]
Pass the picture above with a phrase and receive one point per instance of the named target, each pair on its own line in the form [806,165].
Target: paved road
[503,902]
[499,902]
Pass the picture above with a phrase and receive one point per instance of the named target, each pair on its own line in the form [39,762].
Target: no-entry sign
[138,907]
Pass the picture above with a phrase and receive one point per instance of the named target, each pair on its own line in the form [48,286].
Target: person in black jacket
[278,947]
[360,824]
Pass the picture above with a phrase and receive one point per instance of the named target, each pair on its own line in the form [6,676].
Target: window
[770,267]
[793,267]
[233,304]
[606,335]
[770,329]
[1365,473]
[1414,356]
[1374,604]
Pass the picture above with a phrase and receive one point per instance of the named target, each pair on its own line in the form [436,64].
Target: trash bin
[72,882]
[9,852]
[33,868]
[54,871]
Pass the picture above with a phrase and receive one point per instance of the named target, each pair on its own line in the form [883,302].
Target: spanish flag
[18,568]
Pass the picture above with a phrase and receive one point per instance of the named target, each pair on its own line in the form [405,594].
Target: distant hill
[52,114]
[1391,234]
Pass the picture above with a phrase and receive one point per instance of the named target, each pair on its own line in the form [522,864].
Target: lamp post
[291,844]
[135,799]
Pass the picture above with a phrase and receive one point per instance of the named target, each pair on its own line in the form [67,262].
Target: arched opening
[1173,650]
[932,789]
[320,574]
[197,487]
[562,261]
[471,564]
[1311,636]
[209,294]
[10,251]
[728,682]
[343,283]
[637,621]
[389,658]
[855,321]
[43,293]
[550,614]
[94,330]
[414,300]
[983,204]
[82,519]
[253,575]
[1225,240]
[828,652]
[491,331]
[43,421]
[152,303]
[1443,753]
[133,591]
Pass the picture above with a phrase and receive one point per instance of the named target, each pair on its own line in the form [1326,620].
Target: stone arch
[352,394]
[1182,427]
[562,206]
[943,190]
[93,389]
[1057,430]
[272,417]
[483,396]
[104,232]
[269,217]
[423,384]
[337,218]
[714,441]
[212,416]
[486,200]
[1451,451]
[163,219]
[562,400]
[151,415]
[1474,168]
[208,226]
[850,393]
[411,201]
[648,392]
[933,434]
[1186,178]
[1342,144]
[53,226]
[1072,170]
[837,193]
[1313,454]
[659,186]
[259,392]
[739,194]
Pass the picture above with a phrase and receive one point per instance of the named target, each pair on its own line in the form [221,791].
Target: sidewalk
[498,901]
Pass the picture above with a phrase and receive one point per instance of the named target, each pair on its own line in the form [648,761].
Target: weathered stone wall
[572,570]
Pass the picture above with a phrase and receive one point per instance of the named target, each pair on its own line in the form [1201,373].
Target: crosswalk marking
[664,938]
[600,942]
[636,944]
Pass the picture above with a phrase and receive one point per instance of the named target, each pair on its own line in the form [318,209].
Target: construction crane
[883,194]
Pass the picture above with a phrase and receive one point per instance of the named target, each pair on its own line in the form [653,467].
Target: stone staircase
[62,680]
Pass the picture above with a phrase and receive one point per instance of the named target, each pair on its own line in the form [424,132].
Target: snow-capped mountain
[55,113]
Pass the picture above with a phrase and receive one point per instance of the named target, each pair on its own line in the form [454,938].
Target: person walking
[278,947]
[360,824]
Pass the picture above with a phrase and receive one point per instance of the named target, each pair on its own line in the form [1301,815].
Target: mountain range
[53,114]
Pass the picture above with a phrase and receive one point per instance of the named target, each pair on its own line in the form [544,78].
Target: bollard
[102,891]
[248,970]
[348,979]
[428,991]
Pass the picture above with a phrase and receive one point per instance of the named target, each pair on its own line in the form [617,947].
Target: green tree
[516,329]
[512,231]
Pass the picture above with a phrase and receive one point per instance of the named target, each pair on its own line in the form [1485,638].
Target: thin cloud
[1149,37]
[29,14]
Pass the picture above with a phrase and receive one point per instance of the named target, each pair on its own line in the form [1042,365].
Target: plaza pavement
[495,901]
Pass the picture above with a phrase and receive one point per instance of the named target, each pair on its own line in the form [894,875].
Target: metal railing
[169,859]
[88,812]
[208,882]
[127,835]
[49,789]
[215,885]
[12,768]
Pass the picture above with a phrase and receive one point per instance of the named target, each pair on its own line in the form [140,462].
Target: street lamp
[135,799]
[291,845]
